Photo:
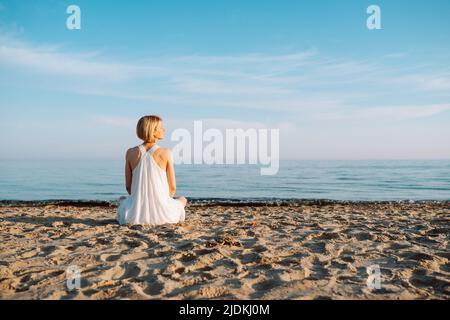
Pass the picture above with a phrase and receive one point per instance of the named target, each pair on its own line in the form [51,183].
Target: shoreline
[244,202]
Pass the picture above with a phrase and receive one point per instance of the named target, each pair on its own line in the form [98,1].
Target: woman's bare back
[160,157]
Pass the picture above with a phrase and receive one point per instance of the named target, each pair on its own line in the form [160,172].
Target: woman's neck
[149,144]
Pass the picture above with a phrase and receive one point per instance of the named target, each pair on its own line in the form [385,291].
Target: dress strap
[153,149]
[149,151]
[141,150]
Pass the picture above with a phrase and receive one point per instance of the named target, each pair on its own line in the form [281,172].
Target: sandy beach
[317,250]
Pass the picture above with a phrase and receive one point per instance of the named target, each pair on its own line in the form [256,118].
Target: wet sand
[294,251]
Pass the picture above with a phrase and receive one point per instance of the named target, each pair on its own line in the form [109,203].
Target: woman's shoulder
[133,149]
[132,152]
[164,151]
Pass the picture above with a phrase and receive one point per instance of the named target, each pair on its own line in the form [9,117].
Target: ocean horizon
[339,180]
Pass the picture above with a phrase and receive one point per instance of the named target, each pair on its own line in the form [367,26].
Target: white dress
[149,202]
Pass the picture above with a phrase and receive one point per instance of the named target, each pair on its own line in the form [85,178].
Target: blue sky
[312,69]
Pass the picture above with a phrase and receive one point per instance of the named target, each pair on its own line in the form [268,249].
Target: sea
[103,180]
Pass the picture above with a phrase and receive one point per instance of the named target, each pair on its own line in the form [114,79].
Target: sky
[312,69]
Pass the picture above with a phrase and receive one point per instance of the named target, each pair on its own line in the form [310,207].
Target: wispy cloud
[50,60]
[389,112]
[113,121]
[302,83]
[439,82]
[255,58]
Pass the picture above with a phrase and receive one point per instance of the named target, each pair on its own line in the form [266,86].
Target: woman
[150,180]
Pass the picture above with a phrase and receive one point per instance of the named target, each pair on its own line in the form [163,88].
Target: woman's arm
[170,174]
[128,173]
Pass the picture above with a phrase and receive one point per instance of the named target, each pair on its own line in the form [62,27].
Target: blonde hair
[146,126]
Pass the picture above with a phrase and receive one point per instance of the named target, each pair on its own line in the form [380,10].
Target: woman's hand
[170,171]
[128,172]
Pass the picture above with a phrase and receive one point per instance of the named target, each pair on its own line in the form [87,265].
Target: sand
[301,251]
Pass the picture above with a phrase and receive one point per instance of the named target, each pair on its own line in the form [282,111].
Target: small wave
[40,203]
[235,202]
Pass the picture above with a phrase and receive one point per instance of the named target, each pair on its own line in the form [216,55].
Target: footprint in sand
[248,258]
[186,257]
[265,285]
[362,236]
[153,285]
[423,279]
[134,243]
[52,251]
[29,254]
[399,245]
[293,275]
[47,250]
[188,245]
[39,277]
[416,256]
[114,273]
[316,247]
[133,269]
[108,257]
[201,252]
[122,271]
[328,236]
